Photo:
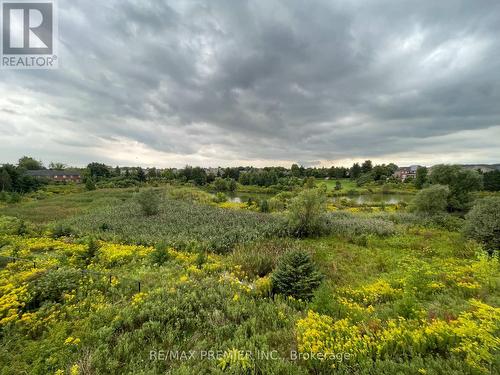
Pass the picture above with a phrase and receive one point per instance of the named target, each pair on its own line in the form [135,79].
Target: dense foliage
[461,183]
[431,200]
[483,223]
[306,213]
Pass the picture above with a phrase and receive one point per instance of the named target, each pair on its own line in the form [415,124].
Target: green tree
[310,183]
[367,166]
[296,275]
[149,202]
[57,166]
[141,176]
[264,205]
[220,184]
[421,177]
[295,170]
[492,180]
[152,173]
[306,213]
[90,252]
[160,255]
[29,163]
[338,185]
[5,181]
[98,170]
[432,200]
[461,183]
[355,171]
[90,184]
[483,223]
[231,185]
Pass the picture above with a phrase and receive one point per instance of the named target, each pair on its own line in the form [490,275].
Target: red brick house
[56,175]
[406,172]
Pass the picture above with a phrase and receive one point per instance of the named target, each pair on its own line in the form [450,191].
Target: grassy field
[50,207]
[399,294]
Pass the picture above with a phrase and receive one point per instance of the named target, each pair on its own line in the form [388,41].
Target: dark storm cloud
[226,81]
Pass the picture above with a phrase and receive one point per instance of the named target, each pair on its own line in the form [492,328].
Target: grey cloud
[275,80]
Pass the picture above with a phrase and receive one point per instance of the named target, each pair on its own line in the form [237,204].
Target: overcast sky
[262,82]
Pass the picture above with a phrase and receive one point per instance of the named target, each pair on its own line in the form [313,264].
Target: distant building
[406,172]
[56,175]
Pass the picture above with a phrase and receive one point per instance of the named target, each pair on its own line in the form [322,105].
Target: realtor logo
[29,32]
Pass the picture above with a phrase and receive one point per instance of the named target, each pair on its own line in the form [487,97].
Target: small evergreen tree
[160,254]
[149,202]
[296,276]
[264,205]
[90,184]
[90,252]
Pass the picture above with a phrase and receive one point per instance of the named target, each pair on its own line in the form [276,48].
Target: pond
[392,198]
[376,198]
[244,197]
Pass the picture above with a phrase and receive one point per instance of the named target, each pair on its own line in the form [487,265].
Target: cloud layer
[262,82]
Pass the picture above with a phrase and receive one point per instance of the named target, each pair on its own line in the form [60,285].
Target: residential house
[56,175]
[406,172]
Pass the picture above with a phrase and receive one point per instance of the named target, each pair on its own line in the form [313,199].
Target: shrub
[296,276]
[51,286]
[12,225]
[432,200]
[220,197]
[264,206]
[306,213]
[149,202]
[483,223]
[60,230]
[160,254]
[90,252]
[191,195]
[201,259]
[90,184]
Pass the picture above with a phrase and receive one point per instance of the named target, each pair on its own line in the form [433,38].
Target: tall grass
[178,223]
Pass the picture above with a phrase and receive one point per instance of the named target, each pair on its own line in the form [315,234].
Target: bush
[306,213]
[90,253]
[149,202]
[60,230]
[51,286]
[483,223]
[160,254]
[296,276]
[12,225]
[264,206]
[432,200]
[220,197]
[90,184]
